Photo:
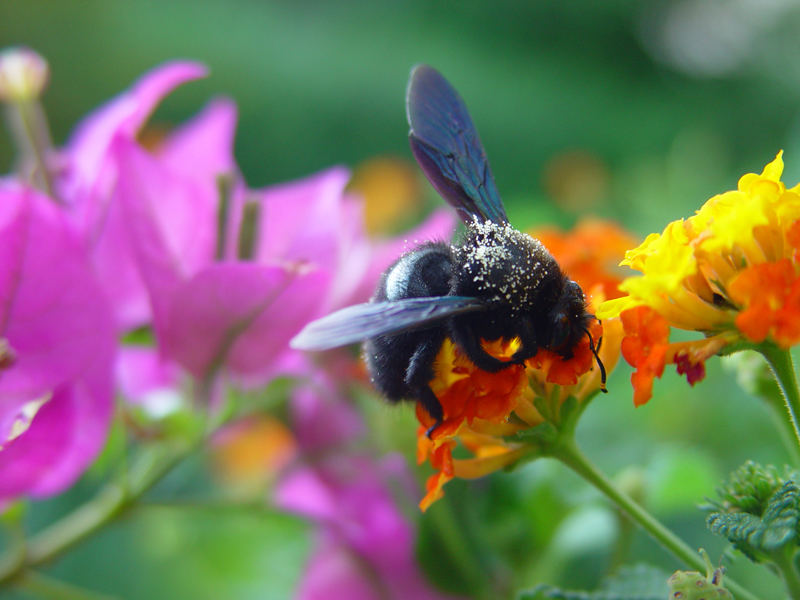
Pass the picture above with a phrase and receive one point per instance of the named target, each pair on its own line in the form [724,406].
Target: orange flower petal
[590,253]
[433,488]
[769,294]
[644,347]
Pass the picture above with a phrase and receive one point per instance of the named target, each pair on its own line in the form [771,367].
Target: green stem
[43,586]
[113,500]
[29,127]
[568,453]
[784,560]
[777,406]
[780,361]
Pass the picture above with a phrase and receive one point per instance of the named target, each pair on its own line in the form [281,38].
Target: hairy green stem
[784,561]
[777,406]
[780,361]
[568,453]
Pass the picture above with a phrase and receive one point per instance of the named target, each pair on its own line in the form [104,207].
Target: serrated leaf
[640,582]
[755,535]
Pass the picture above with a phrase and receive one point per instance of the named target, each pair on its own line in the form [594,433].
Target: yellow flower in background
[730,272]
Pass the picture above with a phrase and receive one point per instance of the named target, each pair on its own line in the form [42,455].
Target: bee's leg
[527,335]
[469,342]
[430,402]
[419,375]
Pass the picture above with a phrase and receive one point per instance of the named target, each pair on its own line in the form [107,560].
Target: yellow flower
[730,271]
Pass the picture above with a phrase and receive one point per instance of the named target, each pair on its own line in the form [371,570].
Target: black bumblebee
[497,283]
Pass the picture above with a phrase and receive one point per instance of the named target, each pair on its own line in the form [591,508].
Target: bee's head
[569,322]
[567,319]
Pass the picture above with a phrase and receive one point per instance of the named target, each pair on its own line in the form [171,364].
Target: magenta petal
[163,216]
[302,220]
[117,269]
[349,497]
[124,114]
[61,330]
[88,180]
[244,312]
[203,147]
[65,436]
[169,220]
[355,255]
[321,418]
[334,573]
[303,491]
[59,317]
[142,372]
[14,217]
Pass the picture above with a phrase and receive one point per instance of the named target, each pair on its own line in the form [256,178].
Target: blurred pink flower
[208,314]
[321,417]
[145,379]
[150,221]
[311,254]
[89,171]
[314,220]
[57,340]
[365,546]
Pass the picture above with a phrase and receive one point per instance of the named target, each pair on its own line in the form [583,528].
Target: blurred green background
[634,111]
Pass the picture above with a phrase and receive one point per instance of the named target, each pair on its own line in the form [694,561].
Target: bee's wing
[447,147]
[364,321]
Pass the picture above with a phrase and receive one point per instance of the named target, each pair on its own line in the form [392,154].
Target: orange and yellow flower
[483,411]
[730,272]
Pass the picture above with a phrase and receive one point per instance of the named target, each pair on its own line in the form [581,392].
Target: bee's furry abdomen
[423,272]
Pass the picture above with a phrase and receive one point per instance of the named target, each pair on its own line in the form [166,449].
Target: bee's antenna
[595,350]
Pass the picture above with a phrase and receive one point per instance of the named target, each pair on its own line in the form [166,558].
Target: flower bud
[23,74]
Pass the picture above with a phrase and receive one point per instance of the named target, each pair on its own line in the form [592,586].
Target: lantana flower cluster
[730,272]
[485,412]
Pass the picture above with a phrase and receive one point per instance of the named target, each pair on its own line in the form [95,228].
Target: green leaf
[758,535]
[639,582]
